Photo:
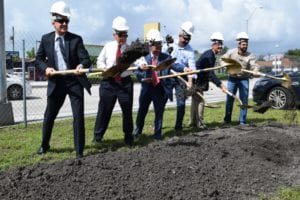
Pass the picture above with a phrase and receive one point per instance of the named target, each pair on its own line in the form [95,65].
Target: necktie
[155,79]
[62,48]
[118,78]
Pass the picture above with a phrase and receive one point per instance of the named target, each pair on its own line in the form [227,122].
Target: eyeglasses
[62,20]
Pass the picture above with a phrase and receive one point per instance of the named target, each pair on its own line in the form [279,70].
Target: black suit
[60,86]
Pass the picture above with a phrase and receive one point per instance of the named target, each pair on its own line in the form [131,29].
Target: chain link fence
[23,46]
[21,49]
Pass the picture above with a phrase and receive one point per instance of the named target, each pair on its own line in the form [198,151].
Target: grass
[285,194]
[18,145]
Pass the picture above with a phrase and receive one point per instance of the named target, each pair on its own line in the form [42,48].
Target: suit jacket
[166,83]
[207,60]
[75,52]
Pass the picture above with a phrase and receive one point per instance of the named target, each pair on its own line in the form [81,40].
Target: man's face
[60,24]
[155,48]
[121,37]
[243,46]
[217,46]
[184,40]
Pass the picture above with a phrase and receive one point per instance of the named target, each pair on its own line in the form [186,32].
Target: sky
[272,24]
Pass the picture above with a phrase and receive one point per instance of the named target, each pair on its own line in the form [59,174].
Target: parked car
[267,89]
[15,87]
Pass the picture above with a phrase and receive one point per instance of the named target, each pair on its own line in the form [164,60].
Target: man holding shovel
[240,81]
[152,88]
[184,54]
[207,60]
[58,51]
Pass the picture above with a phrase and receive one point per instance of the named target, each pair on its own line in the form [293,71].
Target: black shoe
[157,136]
[136,133]
[129,140]
[96,141]
[43,150]
[79,155]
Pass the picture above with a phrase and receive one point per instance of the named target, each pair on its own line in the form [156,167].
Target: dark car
[268,89]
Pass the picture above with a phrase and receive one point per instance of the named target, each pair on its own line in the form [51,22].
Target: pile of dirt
[229,163]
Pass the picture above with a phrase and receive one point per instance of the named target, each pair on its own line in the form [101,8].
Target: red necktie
[155,79]
[118,78]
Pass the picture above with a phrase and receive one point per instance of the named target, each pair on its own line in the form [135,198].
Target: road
[36,103]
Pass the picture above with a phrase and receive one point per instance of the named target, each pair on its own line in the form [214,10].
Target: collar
[56,36]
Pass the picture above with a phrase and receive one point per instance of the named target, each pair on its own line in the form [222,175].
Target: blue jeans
[180,103]
[233,85]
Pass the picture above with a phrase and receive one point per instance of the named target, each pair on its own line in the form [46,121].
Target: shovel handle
[73,71]
[234,96]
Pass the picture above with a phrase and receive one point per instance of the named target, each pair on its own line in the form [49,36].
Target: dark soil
[229,163]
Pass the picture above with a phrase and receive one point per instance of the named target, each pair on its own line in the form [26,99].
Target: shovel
[197,93]
[237,68]
[118,69]
[74,71]
[286,79]
[239,100]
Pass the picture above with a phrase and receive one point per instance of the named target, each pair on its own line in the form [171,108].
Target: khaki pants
[197,109]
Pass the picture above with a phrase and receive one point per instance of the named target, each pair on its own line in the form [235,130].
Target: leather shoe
[42,150]
[97,141]
[136,133]
[128,140]
[79,155]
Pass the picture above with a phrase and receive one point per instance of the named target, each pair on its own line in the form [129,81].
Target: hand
[49,71]
[223,88]
[187,69]
[256,73]
[78,69]
[144,67]
[189,84]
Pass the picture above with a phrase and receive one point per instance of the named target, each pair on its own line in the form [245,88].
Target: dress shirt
[184,56]
[58,56]
[107,57]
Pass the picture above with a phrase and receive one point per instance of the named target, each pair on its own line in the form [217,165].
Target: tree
[292,52]
[31,54]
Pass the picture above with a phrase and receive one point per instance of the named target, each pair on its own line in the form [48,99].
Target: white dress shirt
[107,57]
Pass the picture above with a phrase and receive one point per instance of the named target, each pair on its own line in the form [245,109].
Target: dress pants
[158,97]
[111,91]
[67,85]
[197,109]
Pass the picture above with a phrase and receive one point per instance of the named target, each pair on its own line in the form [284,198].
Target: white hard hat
[153,35]
[242,36]
[120,24]
[188,27]
[60,8]
[216,36]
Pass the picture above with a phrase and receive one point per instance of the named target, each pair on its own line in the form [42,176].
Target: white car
[14,86]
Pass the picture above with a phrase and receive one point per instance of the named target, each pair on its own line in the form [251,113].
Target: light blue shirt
[185,56]
[58,57]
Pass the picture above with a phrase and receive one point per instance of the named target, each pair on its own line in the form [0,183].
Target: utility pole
[6,116]
[13,38]
[248,19]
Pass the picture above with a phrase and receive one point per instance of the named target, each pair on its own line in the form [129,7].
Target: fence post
[24,85]
[6,116]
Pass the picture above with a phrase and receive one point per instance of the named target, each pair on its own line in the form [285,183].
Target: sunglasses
[186,38]
[62,20]
[122,35]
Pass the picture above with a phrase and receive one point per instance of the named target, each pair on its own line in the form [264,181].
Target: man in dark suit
[61,50]
[154,90]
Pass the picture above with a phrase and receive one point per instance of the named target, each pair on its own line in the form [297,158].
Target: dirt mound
[230,163]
